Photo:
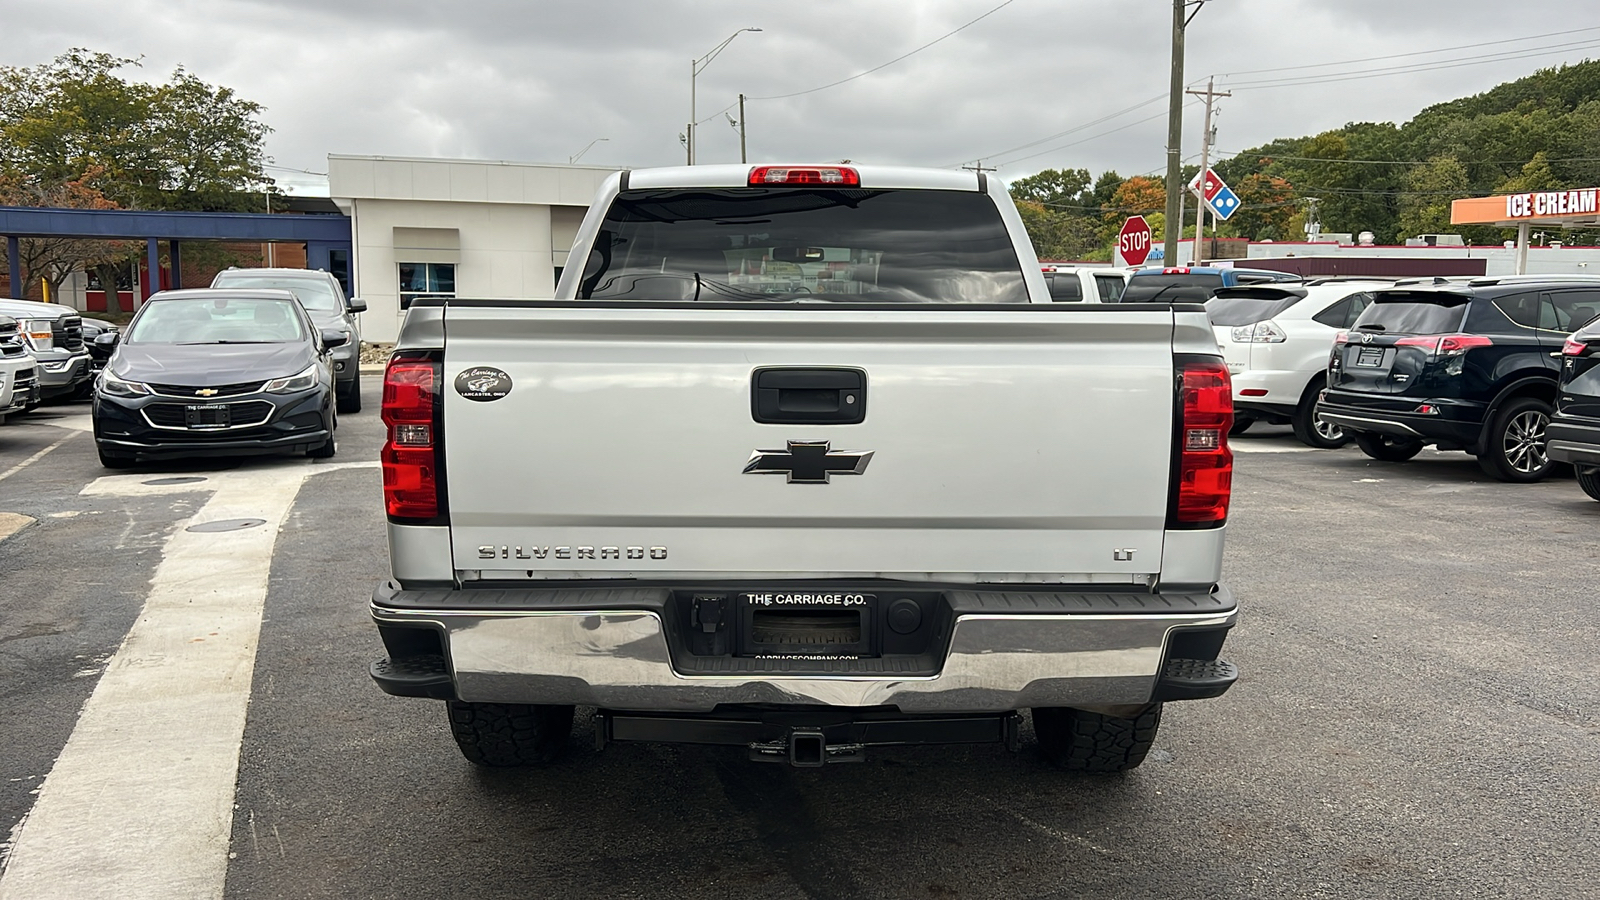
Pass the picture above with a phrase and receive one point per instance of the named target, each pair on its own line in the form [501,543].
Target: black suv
[1464,366]
[1575,430]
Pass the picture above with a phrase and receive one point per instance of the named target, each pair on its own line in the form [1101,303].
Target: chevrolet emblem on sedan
[207,392]
[808,462]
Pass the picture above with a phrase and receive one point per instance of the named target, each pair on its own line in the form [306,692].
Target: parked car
[1193,284]
[1574,433]
[98,353]
[323,297]
[54,335]
[1276,339]
[1462,366]
[1085,284]
[217,373]
[19,376]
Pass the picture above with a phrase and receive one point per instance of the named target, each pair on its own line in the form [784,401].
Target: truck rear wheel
[498,735]
[1083,741]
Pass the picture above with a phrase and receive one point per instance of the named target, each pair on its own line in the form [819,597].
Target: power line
[1346,62]
[890,62]
[1076,128]
[1412,68]
[1102,134]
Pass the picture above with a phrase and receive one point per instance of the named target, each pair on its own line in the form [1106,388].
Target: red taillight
[1574,348]
[1446,345]
[1183,270]
[1342,337]
[411,476]
[1205,464]
[831,176]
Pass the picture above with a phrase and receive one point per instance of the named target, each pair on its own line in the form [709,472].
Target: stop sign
[1133,241]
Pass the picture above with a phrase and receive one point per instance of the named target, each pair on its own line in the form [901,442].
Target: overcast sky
[537,80]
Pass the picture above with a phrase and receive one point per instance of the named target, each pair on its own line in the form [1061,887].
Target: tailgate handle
[808,396]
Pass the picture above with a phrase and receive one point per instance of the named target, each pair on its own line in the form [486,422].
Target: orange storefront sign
[1509,209]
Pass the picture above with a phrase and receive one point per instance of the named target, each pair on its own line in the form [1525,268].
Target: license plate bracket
[1369,357]
[207,415]
[805,624]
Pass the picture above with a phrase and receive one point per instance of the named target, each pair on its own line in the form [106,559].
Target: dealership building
[452,227]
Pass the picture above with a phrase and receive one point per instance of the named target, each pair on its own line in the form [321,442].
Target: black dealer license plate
[209,415]
[786,623]
[1371,357]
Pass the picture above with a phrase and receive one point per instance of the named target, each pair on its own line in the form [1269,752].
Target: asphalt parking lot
[1419,716]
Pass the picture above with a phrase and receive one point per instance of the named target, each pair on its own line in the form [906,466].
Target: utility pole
[1313,222]
[742,157]
[1175,132]
[1205,161]
[978,166]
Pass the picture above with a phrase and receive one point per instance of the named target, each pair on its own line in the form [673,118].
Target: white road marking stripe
[11,523]
[140,802]
[35,458]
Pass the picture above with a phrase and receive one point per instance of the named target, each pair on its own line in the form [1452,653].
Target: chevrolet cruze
[217,373]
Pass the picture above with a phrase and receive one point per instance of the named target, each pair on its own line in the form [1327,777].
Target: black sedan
[217,373]
[1574,431]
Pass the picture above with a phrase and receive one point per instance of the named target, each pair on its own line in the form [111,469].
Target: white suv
[1276,339]
[1085,284]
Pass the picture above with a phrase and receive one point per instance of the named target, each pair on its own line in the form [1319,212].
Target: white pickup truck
[803,460]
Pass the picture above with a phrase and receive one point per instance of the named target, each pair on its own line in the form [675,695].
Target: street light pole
[696,66]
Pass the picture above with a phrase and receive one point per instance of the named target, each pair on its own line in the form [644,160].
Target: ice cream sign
[1551,203]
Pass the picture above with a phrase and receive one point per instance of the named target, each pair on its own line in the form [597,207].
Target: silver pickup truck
[803,460]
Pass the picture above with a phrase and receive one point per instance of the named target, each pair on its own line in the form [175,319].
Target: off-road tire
[1308,431]
[349,399]
[1386,448]
[1082,741]
[1521,423]
[1241,424]
[498,735]
[1590,482]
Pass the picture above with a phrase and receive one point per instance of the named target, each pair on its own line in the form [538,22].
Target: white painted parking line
[11,523]
[34,458]
[140,802]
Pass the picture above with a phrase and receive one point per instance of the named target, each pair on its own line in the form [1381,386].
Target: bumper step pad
[1195,679]
[414,676]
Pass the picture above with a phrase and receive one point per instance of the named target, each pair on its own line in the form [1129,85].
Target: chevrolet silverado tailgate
[1030,444]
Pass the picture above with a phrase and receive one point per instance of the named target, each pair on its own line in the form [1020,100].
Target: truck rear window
[1189,288]
[1413,313]
[786,244]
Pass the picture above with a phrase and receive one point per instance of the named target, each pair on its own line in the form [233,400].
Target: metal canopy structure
[1552,209]
[320,233]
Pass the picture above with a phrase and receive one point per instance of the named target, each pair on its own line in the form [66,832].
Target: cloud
[503,79]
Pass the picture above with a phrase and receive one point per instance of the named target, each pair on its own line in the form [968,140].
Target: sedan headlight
[301,381]
[116,387]
[39,332]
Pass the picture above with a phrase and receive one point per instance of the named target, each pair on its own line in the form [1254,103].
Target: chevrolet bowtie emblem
[207,392]
[808,462]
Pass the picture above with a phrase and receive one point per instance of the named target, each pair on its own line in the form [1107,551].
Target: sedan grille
[187,391]
[248,414]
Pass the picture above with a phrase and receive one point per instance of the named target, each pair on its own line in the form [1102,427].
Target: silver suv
[323,297]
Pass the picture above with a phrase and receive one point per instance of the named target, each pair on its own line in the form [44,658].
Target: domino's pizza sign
[1224,203]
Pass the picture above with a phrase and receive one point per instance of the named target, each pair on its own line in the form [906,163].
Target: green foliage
[180,145]
[1536,133]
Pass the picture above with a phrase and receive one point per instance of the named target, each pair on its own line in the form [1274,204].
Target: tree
[1052,186]
[1425,208]
[52,259]
[1268,204]
[179,145]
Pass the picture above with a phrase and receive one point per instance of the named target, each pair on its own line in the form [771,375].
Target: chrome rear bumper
[994,661]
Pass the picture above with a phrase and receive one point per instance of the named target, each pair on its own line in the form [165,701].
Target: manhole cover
[226,525]
[178,479]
